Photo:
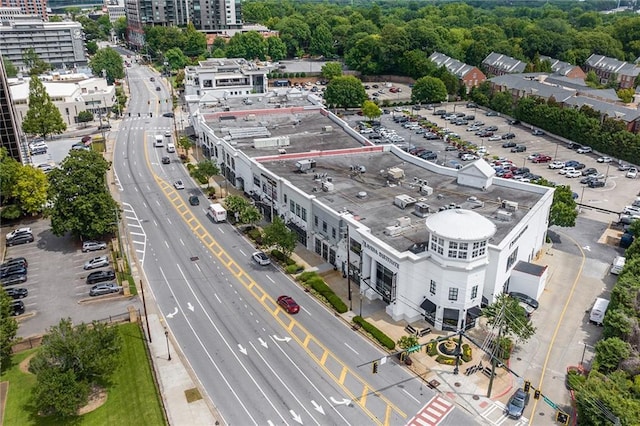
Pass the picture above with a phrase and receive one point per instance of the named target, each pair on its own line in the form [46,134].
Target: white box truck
[618,265]
[158,141]
[597,312]
[217,212]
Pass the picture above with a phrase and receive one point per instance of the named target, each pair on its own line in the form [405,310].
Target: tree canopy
[345,91]
[277,234]
[8,330]
[110,62]
[428,90]
[507,314]
[43,118]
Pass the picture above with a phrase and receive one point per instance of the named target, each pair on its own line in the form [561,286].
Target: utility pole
[349,269]
[493,358]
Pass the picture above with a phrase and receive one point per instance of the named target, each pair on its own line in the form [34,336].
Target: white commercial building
[70,93]
[428,240]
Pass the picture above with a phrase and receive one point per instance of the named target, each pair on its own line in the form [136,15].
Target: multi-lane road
[257,364]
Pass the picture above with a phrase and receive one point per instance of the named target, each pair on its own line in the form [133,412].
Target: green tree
[34,64]
[344,92]
[208,169]
[250,45]
[92,47]
[42,118]
[277,234]
[195,42]
[250,215]
[8,331]
[10,68]
[175,58]
[109,61]
[235,204]
[507,313]
[563,209]
[276,49]
[31,189]
[428,90]
[120,28]
[610,352]
[626,95]
[502,102]
[185,143]
[406,342]
[85,117]
[321,42]
[331,70]
[81,202]
[9,173]
[371,110]
[58,393]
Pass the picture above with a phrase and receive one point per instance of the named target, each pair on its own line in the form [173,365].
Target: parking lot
[618,191]
[57,282]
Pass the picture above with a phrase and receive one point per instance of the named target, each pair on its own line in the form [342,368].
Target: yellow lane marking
[559,323]
[286,321]
[363,398]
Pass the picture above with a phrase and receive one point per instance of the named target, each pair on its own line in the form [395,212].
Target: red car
[541,159]
[288,304]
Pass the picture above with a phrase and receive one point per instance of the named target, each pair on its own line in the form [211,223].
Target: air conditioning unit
[395,173]
[511,206]
[421,209]
[404,221]
[426,190]
[327,186]
[504,215]
[403,201]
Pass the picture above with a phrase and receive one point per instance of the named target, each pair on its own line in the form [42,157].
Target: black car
[13,280]
[471,105]
[194,200]
[525,299]
[589,171]
[596,183]
[20,239]
[491,129]
[168,114]
[13,261]
[17,293]
[158,88]
[13,270]
[17,308]
[100,276]
[509,144]
[166,160]
[514,122]
[508,136]
[579,166]
[428,155]
[519,148]
[587,179]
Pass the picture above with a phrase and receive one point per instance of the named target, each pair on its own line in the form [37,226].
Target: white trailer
[597,312]
[217,212]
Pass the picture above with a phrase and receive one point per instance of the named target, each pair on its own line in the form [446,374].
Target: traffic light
[159,101]
[375,367]
[148,102]
[562,417]
[150,114]
[536,394]
[527,386]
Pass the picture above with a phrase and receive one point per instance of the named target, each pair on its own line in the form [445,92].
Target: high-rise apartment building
[28,7]
[10,133]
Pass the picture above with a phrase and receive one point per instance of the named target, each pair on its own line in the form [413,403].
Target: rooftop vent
[421,209]
[362,194]
[510,206]
[404,200]
[504,215]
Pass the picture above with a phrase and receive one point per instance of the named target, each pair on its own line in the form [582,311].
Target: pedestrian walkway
[432,413]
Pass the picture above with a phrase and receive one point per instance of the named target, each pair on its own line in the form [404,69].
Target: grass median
[132,397]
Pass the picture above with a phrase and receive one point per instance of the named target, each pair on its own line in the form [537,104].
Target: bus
[158,141]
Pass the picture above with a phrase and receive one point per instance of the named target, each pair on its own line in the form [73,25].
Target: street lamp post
[166,335]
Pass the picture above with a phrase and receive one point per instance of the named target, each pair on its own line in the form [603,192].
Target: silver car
[93,246]
[97,262]
[104,288]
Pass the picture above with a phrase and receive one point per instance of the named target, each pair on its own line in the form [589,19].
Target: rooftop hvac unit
[426,190]
[504,215]
[421,210]
[403,201]
[393,231]
[327,129]
[250,117]
[511,206]
[327,186]
[395,173]
[305,165]
[403,221]
[475,203]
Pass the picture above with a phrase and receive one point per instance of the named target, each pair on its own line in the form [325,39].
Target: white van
[597,312]
[617,265]
[158,141]
[171,147]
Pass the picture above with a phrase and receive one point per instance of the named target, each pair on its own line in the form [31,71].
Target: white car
[93,246]
[573,174]
[178,184]
[556,165]
[567,170]
[584,150]
[532,156]
[19,231]
[632,173]
[495,138]
[261,258]
[467,157]
[631,210]
[604,160]
[97,262]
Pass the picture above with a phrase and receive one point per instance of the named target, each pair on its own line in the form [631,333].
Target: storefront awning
[474,312]
[428,306]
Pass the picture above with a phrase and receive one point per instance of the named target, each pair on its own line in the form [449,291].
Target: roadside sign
[550,402]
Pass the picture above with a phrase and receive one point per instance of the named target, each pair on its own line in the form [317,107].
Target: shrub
[306,276]
[466,352]
[336,302]
[303,74]
[256,235]
[575,379]
[432,349]
[293,269]
[446,360]
[278,255]
[375,332]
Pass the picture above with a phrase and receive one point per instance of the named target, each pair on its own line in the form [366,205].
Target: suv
[194,200]
[100,276]
[12,261]
[166,160]
[19,231]
[508,136]
[17,308]
[20,239]
[13,270]
[519,148]
[93,246]
[97,262]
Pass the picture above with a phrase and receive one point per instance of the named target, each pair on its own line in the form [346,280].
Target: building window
[453,293]
[324,226]
[437,244]
[315,221]
[458,250]
[474,292]
[479,248]
[512,258]
[298,210]
[432,287]
[304,214]
[285,198]
[292,206]
[333,233]
[356,247]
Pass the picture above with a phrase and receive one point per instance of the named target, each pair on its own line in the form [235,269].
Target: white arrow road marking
[263,343]
[243,350]
[296,417]
[282,339]
[172,314]
[270,423]
[344,401]
[587,248]
[190,306]
[318,407]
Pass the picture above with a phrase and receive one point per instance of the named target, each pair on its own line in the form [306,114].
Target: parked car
[589,171]
[13,270]
[20,239]
[596,184]
[623,167]
[556,165]
[97,262]
[519,148]
[572,174]
[604,159]
[261,258]
[19,231]
[168,114]
[88,246]
[584,150]
[492,128]
[17,293]
[468,157]
[585,180]
[451,148]
[513,122]
[567,170]
[537,132]
[14,261]
[101,276]
[508,136]
[495,138]
[288,304]
[17,308]
[632,173]
[104,288]
[524,298]
[517,403]
[491,114]
[541,159]
[13,280]
[509,144]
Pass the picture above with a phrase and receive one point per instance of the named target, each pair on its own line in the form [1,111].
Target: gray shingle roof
[454,66]
[505,63]
[612,65]
[558,66]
